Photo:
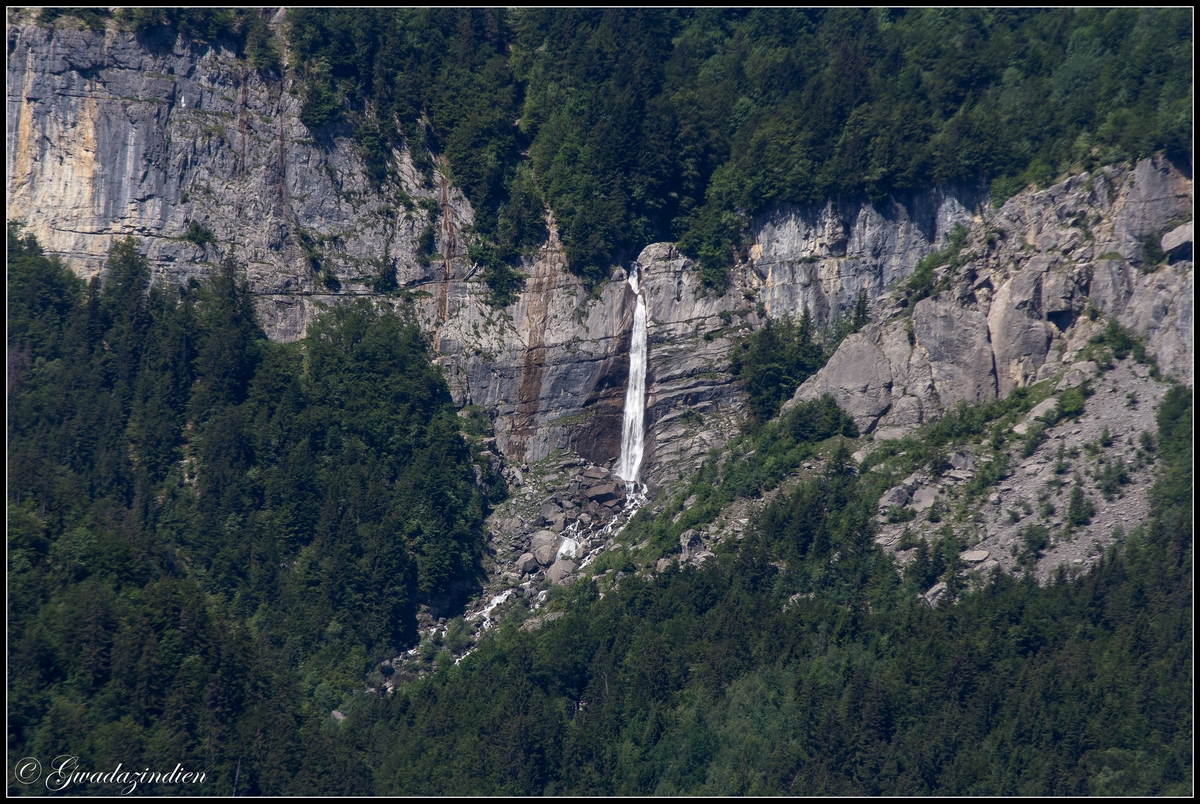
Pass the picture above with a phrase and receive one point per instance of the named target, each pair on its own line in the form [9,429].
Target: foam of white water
[498,600]
[568,549]
[632,434]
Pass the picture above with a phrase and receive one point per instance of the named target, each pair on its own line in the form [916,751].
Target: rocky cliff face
[1039,277]
[819,257]
[110,136]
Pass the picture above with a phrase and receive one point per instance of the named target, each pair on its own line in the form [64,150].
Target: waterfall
[632,435]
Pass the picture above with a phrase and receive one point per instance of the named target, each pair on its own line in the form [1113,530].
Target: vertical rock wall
[1042,274]
[111,135]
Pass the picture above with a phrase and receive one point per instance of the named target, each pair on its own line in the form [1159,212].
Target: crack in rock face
[108,139]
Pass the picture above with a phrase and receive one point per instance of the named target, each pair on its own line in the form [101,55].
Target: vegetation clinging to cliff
[776,360]
[243,28]
[681,124]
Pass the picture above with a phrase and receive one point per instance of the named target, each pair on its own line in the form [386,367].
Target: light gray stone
[560,569]
[923,499]
[818,256]
[527,564]
[1178,238]
[1162,308]
[1078,374]
[1157,195]
[545,545]
[691,545]
[1020,339]
[1039,410]
[960,354]
[894,496]
[935,593]
[859,379]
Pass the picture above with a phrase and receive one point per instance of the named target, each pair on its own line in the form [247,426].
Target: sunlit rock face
[111,135]
[1036,281]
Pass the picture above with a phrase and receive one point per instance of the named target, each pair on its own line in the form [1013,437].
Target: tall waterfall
[632,435]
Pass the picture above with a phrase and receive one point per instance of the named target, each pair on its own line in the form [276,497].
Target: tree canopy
[636,125]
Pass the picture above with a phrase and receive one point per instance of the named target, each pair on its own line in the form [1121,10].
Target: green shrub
[1070,404]
[93,18]
[200,234]
[1110,479]
[1034,437]
[1079,509]
[773,362]
[1034,540]
[1122,342]
[1152,253]
[920,284]
[426,243]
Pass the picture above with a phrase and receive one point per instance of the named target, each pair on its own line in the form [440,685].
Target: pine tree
[860,311]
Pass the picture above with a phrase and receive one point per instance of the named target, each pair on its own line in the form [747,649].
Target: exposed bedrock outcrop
[821,256]
[1037,279]
[553,367]
[112,135]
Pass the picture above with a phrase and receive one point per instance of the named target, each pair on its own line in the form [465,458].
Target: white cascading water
[632,435]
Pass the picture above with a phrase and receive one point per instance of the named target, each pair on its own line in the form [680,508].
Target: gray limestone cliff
[109,136]
[1037,279]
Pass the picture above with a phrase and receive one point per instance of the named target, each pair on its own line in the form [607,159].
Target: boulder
[974,556]
[549,511]
[570,548]
[962,461]
[1178,242]
[935,593]
[1039,410]
[527,564]
[690,544]
[596,472]
[923,499]
[894,496]
[1078,375]
[545,546]
[560,569]
[602,492]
